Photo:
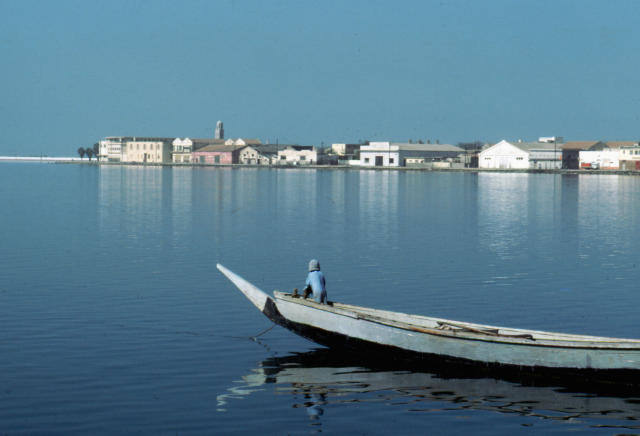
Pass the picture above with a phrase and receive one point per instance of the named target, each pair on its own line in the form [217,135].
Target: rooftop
[579,145]
[403,146]
[221,148]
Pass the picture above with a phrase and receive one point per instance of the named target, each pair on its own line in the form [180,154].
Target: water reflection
[607,212]
[378,202]
[516,210]
[181,202]
[502,219]
[322,377]
[191,197]
[539,251]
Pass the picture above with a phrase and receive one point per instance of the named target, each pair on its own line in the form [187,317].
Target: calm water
[114,318]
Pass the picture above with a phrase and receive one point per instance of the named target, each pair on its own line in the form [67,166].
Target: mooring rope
[261,333]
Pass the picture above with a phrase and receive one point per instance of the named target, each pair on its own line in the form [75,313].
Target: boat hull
[458,366]
[328,328]
[395,338]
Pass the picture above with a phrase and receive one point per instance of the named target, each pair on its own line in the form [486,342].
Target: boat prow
[253,293]
[258,297]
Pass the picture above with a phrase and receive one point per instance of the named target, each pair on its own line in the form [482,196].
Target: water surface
[115,319]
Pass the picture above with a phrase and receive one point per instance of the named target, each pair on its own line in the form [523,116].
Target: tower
[219,131]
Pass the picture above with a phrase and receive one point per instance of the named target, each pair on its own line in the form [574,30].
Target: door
[379,161]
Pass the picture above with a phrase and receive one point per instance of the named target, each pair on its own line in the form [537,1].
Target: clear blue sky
[317,71]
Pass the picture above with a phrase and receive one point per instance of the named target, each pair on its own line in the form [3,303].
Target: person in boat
[315,283]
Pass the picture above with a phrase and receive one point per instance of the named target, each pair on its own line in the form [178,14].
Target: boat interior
[445,327]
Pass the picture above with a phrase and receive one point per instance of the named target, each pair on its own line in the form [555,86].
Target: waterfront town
[547,153]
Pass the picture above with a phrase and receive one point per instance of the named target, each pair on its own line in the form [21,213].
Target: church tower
[219,131]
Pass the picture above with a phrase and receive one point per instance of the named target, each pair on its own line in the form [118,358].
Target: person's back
[316,282]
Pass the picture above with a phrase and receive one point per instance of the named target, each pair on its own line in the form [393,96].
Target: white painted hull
[445,338]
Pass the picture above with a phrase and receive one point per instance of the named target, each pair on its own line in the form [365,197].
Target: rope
[254,338]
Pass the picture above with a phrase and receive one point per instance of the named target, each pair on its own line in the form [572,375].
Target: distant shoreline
[77,160]
[40,159]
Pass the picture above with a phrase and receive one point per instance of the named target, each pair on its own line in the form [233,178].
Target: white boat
[430,339]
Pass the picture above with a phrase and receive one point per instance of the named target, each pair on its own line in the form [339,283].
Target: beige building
[259,155]
[629,156]
[147,150]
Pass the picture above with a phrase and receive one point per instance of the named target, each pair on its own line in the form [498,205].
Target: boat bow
[259,298]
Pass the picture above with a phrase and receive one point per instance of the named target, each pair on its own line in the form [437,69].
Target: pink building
[217,154]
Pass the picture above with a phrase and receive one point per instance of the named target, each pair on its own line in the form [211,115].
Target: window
[282,157]
[391,160]
[519,158]
[216,159]
[303,157]
[366,160]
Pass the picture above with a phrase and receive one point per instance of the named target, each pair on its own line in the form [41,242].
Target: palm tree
[96,150]
[89,152]
[81,152]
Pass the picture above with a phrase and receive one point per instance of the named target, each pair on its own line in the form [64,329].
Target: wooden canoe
[402,335]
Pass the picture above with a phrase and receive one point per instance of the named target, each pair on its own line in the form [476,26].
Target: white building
[182,149]
[110,149]
[606,159]
[521,155]
[394,154]
[298,155]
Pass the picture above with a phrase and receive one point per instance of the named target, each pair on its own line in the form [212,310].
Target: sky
[316,72]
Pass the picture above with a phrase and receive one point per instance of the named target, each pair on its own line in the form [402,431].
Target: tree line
[89,151]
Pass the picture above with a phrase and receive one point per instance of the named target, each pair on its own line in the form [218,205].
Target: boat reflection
[324,377]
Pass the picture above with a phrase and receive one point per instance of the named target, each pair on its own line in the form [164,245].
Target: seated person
[315,283]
